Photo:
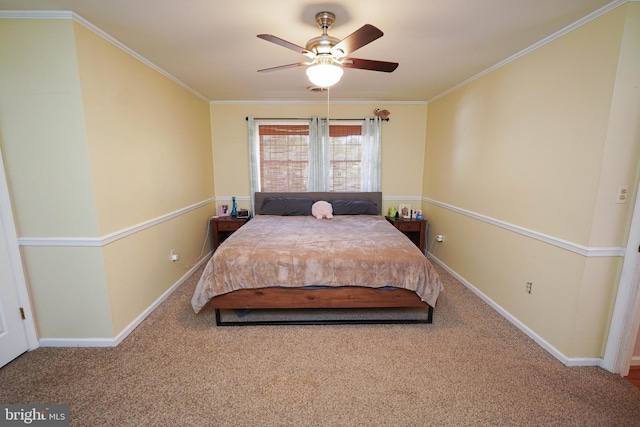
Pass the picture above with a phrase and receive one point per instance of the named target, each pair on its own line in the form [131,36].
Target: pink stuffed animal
[322,209]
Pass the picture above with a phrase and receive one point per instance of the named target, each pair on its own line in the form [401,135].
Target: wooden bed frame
[343,297]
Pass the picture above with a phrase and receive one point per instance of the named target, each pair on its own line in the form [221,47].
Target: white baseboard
[113,342]
[568,361]
[76,342]
[635,361]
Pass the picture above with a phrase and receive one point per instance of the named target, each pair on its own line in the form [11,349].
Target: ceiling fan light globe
[324,75]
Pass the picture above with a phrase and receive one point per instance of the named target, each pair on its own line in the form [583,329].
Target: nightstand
[223,227]
[414,229]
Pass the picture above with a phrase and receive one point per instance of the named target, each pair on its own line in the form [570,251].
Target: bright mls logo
[34,415]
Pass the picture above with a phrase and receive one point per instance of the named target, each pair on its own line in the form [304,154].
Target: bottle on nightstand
[234,207]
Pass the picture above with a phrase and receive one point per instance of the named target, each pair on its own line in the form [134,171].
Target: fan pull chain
[328,89]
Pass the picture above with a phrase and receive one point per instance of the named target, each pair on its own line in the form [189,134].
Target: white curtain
[319,165]
[319,161]
[371,154]
[254,160]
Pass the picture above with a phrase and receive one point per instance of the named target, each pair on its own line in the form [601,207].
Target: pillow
[322,209]
[354,207]
[286,206]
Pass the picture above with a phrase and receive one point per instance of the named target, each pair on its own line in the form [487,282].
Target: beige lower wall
[68,291]
[139,267]
[98,292]
[595,304]
[570,303]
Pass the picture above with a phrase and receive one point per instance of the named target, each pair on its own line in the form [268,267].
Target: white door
[13,339]
[625,321]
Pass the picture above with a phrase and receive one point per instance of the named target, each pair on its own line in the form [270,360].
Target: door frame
[626,313]
[15,258]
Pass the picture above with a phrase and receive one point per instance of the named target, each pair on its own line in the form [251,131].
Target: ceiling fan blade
[288,45]
[283,67]
[369,64]
[354,41]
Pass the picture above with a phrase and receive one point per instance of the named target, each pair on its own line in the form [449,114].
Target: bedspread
[296,251]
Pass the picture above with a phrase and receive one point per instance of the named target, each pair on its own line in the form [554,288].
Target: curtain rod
[303,118]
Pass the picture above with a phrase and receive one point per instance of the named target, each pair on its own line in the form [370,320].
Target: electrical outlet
[174,256]
[622,193]
[440,238]
[528,287]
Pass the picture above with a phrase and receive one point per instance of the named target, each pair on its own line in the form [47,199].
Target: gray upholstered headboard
[369,196]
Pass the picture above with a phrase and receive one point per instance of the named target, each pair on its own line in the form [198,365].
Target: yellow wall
[43,134]
[402,143]
[541,144]
[109,165]
[628,101]
[47,162]
[150,150]
[148,144]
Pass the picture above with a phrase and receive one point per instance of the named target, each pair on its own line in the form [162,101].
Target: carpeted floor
[470,367]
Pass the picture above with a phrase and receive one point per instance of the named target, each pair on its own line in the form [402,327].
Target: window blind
[345,157]
[284,157]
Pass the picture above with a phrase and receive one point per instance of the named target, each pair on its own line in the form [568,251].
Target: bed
[284,258]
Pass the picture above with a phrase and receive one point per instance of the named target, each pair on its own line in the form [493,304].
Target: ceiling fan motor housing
[325,20]
[322,44]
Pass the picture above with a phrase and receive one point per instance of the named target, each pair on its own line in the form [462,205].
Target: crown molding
[63,14]
[604,9]
[36,14]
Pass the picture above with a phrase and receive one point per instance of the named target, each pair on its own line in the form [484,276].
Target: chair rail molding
[111,237]
[587,251]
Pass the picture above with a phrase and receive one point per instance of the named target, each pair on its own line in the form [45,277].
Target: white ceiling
[211,45]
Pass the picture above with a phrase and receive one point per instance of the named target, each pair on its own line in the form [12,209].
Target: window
[284,157]
[290,156]
[345,157]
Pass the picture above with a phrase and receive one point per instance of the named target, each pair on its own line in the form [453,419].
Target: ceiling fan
[329,55]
